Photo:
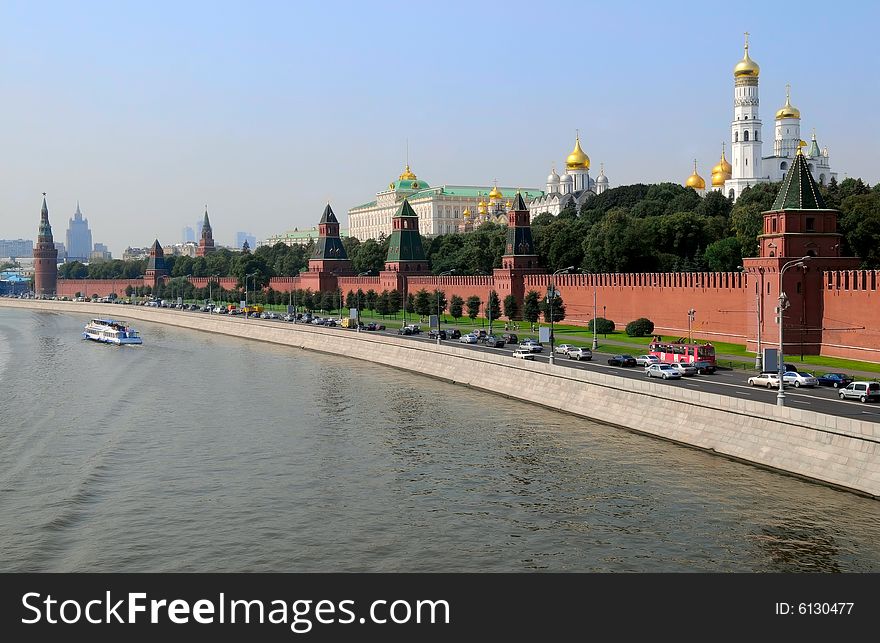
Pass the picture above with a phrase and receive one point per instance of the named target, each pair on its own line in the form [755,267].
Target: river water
[197,452]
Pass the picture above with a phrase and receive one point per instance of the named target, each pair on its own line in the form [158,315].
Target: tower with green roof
[329,254]
[520,258]
[405,252]
[157,269]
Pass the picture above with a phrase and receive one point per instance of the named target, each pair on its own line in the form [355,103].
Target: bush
[640,327]
[603,326]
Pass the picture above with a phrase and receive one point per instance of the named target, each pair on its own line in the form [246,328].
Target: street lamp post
[780,309]
[551,295]
[248,276]
[595,311]
[691,315]
[357,294]
[604,316]
[442,274]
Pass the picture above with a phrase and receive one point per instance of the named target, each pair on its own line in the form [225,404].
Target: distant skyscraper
[199,225]
[79,237]
[16,248]
[241,237]
[189,235]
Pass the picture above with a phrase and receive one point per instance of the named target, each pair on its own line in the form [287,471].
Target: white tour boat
[111,331]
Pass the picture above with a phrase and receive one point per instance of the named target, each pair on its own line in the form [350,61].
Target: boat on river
[111,331]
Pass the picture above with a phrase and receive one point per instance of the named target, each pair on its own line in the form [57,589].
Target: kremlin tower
[206,243]
[45,257]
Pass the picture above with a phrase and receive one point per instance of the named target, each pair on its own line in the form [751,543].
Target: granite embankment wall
[839,451]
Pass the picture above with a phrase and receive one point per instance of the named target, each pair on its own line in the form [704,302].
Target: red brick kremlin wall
[100,287]
[851,314]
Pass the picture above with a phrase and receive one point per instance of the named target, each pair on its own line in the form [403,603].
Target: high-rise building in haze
[79,237]
[188,236]
[198,230]
[16,248]
[241,237]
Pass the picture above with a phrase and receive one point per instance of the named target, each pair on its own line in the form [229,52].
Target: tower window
[736,137]
[774,225]
[811,224]
[756,135]
[746,135]
[783,166]
[822,179]
[799,288]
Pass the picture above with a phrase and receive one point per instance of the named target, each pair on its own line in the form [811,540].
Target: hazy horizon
[266,111]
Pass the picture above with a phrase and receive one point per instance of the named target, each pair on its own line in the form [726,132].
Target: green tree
[351,300]
[456,307]
[558,308]
[603,326]
[394,302]
[410,303]
[328,300]
[494,307]
[724,255]
[511,307]
[619,243]
[438,302]
[370,255]
[370,298]
[382,305]
[128,290]
[473,307]
[640,327]
[860,225]
[422,303]
[532,306]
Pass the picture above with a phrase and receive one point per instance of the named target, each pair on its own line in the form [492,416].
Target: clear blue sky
[147,111]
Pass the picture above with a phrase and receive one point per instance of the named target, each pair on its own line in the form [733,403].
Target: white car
[799,379]
[468,339]
[664,371]
[531,345]
[684,368]
[647,360]
[523,353]
[562,348]
[580,353]
[770,380]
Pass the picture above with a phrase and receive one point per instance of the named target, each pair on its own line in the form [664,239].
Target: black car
[510,338]
[404,330]
[493,341]
[621,360]
[837,380]
[454,333]
[434,332]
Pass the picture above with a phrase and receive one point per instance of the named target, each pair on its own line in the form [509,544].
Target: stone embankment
[838,451]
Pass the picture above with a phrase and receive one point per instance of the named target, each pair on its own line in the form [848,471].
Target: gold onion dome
[577,160]
[408,174]
[466,214]
[788,110]
[495,194]
[721,172]
[746,67]
[695,181]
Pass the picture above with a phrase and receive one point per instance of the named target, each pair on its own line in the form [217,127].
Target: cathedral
[749,165]
[575,186]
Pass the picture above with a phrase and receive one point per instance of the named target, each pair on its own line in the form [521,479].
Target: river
[200,452]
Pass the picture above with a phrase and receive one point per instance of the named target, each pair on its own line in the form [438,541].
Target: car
[861,391]
[837,380]
[768,379]
[684,368]
[415,329]
[331,323]
[494,341]
[580,353]
[704,367]
[453,333]
[621,360]
[511,338]
[264,316]
[307,318]
[404,330]
[532,346]
[647,360]
[523,353]
[288,317]
[433,333]
[663,371]
[468,339]
[799,379]
[562,348]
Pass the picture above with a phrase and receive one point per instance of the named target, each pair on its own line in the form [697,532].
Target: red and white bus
[701,355]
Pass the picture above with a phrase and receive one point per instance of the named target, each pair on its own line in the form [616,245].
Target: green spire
[799,190]
[45,231]
[405,243]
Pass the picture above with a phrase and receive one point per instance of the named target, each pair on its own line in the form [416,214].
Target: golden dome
[466,214]
[577,160]
[482,207]
[722,171]
[695,181]
[509,204]
[495,194]
[788,110]
[746,67]
[407,174]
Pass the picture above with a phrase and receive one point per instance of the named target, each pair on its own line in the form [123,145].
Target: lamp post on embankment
[780,310]
[442,274]
[551,296]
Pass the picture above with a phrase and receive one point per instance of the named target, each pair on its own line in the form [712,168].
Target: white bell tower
[745,130]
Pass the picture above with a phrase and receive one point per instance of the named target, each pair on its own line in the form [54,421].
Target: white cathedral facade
[575,186]
[748,166]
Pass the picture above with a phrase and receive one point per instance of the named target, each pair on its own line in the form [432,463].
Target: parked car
[768,379]
[532,346]
[647,360]
[434,332]
[415,329]
[704,367]
[523,353]
[404,330]
[453,333]
[799,379]
[374,326]
[468,339]
[562,348]
[494,341]
[331,323]
[288,317]
[511,338]
[621,360]
[837,380]
[861,391]
[663,371]
[580,353]
[684,368]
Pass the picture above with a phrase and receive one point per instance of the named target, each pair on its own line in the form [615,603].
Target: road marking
[870,413]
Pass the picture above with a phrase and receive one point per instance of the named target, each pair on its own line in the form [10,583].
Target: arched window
[772,254]
[783,166]
[736,137]
[811,253]
[731,194]
[746,135]
[821,179]
[773,229]
[756,135]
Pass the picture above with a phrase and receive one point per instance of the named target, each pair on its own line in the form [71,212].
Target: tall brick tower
[799,225]
[156,268]
[519,257]
[45,257]
[329,259]
[405,252]
[206,243]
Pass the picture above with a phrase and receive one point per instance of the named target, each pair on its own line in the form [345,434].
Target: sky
[265,111]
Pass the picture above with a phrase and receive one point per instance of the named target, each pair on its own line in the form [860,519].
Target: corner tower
[45,257]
